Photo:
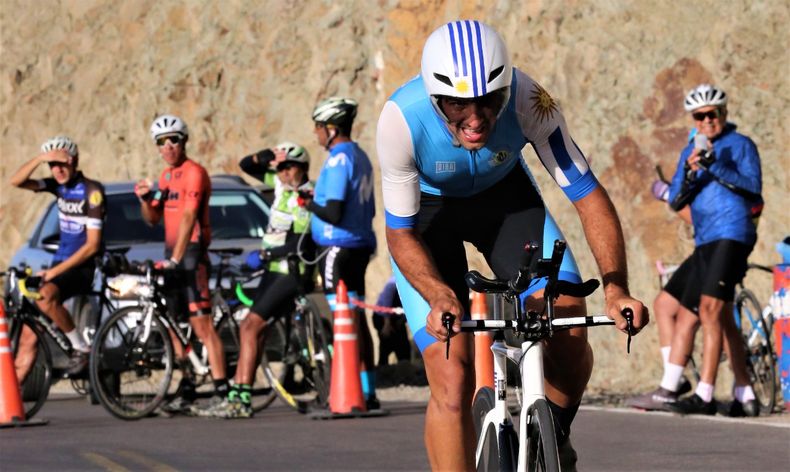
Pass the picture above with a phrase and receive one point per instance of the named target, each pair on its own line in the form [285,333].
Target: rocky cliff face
[245,75]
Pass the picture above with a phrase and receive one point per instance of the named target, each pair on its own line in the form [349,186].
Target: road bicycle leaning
[500,446]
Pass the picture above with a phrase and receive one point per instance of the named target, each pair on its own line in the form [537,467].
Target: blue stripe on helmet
[471,56]
[461,44]
[452,47]
[481,59]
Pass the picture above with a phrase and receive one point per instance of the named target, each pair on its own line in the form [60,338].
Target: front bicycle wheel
[541,451]
[33,363]
[760,362]
[297,359]
[131,363]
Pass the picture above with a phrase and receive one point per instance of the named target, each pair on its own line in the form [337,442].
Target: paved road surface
[81,437]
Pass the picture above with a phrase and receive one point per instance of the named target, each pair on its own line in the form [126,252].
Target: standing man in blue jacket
[719,177]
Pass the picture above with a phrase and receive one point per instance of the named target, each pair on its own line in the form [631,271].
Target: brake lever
[628,314]
[447,321]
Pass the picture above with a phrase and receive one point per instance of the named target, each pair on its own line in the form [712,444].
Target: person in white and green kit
[285,235]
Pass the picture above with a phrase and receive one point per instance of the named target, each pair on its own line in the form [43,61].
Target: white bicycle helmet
[465,59]
[336,111]
[168,124]
[294,152]
[61,142]
[703,96]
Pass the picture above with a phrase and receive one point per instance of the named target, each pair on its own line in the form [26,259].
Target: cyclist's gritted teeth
[473,135]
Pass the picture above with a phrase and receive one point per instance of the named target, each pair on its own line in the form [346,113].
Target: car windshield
[234,214]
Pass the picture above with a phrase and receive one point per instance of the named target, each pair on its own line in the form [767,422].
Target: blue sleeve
[743,171]
[336,178]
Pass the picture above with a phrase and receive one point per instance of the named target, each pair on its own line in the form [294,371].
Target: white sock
[665,355]
[744,393]
[704,391]
[76,341]
[672,374]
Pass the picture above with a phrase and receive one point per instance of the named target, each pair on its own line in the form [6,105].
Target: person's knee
[252,326]
[451,382]
[710,310]
[204,329]
[665,305]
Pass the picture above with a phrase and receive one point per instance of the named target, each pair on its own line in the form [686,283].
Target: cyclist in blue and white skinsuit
[449,142]
[343,208]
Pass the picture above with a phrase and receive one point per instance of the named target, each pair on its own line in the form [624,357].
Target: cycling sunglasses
[175,140]
[713,114]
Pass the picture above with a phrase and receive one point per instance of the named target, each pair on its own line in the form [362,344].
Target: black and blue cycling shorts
[499,222]
[713,269]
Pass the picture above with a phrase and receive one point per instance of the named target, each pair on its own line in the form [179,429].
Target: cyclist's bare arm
[416,265]
[605,238]
[21,177]
[83,254]
[151,214]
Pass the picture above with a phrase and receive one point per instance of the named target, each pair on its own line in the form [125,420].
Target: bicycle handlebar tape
[12,410]
[345,393]
[484,358]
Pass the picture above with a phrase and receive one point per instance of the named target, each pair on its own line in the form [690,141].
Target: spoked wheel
[760,362]
[297,359]
[131,364]
[33,362]
[541,441]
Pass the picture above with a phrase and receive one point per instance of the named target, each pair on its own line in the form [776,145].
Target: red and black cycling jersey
[180,188]
[81,206]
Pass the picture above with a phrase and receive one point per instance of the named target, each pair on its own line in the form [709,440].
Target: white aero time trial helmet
[294,153]
[703,96]
[61,142]
[465,59]
[168,124]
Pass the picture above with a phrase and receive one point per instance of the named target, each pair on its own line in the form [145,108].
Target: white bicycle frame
[530,359]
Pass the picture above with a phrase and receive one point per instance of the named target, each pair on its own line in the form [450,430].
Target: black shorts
[275,295]
[75,281]
[187,286]
[347,264]
[713,269]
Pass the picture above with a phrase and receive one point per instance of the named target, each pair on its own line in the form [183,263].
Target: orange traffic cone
[484,358]
[345,394]
[11,409]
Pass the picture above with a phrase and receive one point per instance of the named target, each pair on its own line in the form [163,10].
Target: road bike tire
[34,389]
[489,455]
[483,403]
[542,452]
[760,361]
[297,359]
[131,376]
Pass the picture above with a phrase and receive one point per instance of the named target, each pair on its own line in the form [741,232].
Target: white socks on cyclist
[704,391]
[744,393]
[672,374]
[76,341]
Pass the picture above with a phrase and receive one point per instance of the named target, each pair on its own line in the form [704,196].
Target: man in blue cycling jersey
[719,177]
[342,226]
[449,142]
[81,213]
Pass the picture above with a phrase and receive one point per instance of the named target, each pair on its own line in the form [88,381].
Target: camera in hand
[706,156]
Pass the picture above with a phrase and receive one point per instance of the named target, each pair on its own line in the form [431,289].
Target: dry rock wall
[245,75]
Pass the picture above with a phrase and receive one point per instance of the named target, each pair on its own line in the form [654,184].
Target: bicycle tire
[131,379]
[297,359]
[542,453]
[760,362]
[483,403]
[34,389]
[489,455]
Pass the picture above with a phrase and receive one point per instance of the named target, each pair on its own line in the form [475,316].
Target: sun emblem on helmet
[542,104]
[462,86]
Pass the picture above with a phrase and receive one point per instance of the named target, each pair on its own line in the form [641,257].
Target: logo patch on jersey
[95,199]
[167,176]
[71,208]
[443,167]
[337,160]
[499,158]
[542,104]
